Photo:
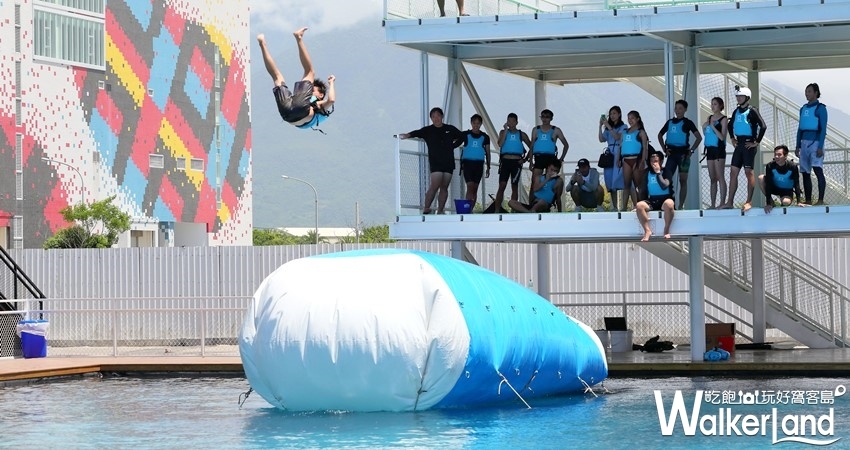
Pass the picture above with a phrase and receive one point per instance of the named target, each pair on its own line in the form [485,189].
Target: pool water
[122,412]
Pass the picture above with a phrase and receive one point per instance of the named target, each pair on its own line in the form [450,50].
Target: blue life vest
[654,189]
[545,143]
[315,121]
[742,126]
[513,143]
[783,180]
[632,146]
[808,118]
[711,139]
[609,136]
[676,135]
[473,150]
[547,192]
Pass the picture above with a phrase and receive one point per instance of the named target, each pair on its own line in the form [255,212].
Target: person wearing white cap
[746,132]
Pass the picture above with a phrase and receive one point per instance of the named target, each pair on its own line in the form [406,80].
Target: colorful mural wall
[165,127]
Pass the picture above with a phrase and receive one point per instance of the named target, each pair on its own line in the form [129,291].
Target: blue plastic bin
[33,335]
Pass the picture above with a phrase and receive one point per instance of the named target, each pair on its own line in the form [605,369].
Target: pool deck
[797,362]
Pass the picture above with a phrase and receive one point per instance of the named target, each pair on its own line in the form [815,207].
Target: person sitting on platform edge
[544,188]
[781,178]
[659,192]
[585,189]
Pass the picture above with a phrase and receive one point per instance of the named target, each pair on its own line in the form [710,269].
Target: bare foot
[746,207]
[261,38]
[667,236]
[646,236]
[300,33]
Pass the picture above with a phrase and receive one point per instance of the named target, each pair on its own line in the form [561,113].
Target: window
[19,185]
[18,80]
[95,6]
[197,164]
[19,152]
[18,119]
[156,161]
[68,37]
[181,163]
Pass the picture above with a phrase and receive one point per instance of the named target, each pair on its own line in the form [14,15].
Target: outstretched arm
[330,96]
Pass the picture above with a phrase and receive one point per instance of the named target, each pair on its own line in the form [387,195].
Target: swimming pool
[121,412]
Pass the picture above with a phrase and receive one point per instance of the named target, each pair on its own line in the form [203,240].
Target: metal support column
[669,78]
[457,250]
[425,106]
[696,286]
[544,285]
[759,316]
[454,116]
[539,99]
[691,95]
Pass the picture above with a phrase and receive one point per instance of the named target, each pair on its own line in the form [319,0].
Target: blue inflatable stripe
[515,333]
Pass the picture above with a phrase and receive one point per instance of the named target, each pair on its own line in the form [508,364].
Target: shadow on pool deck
[797,362]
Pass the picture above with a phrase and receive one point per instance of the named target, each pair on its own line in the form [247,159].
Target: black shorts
[712,153]
[655,203]
[510,169]
[473,170]
[294,107]
[542,161]
[445,166]
[743,156]
[782,192]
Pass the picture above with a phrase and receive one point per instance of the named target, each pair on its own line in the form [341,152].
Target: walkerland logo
[723,421]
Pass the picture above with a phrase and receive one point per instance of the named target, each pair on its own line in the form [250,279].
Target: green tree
[97,225]
[280,237]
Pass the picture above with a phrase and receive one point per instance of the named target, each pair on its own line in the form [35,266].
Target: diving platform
[782,222]
[564,43]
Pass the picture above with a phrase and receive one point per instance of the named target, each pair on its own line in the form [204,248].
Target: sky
[328,17]
[325,16]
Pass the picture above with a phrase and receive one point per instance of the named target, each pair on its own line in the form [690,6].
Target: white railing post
[398,175]
[113,315]
[203,314]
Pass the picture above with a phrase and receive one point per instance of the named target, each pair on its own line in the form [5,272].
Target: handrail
[814,279]
[19,275]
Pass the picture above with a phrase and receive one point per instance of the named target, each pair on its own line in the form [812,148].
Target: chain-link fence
[192,326]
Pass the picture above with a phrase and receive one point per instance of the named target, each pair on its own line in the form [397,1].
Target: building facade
[144,100]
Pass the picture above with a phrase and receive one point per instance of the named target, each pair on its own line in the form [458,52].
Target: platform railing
[421,9]
[138,326]
[649,313]
[798,290]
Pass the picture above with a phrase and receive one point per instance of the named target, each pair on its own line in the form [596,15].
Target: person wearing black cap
[585,189]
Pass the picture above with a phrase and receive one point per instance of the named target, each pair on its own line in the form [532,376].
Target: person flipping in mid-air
[311,100]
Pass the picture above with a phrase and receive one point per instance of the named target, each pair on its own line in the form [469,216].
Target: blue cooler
[33,335]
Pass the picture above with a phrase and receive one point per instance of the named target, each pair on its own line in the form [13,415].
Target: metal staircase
[803,303]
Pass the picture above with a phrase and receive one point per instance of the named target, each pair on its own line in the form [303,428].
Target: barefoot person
[442,5]
[715,129]
[441,140]
[311,100]
[659,197]
[746,131]
[811,135]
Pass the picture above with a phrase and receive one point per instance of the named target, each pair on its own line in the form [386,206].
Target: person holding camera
[585,189]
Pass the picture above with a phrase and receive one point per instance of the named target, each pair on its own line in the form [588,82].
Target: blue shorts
[809,156]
